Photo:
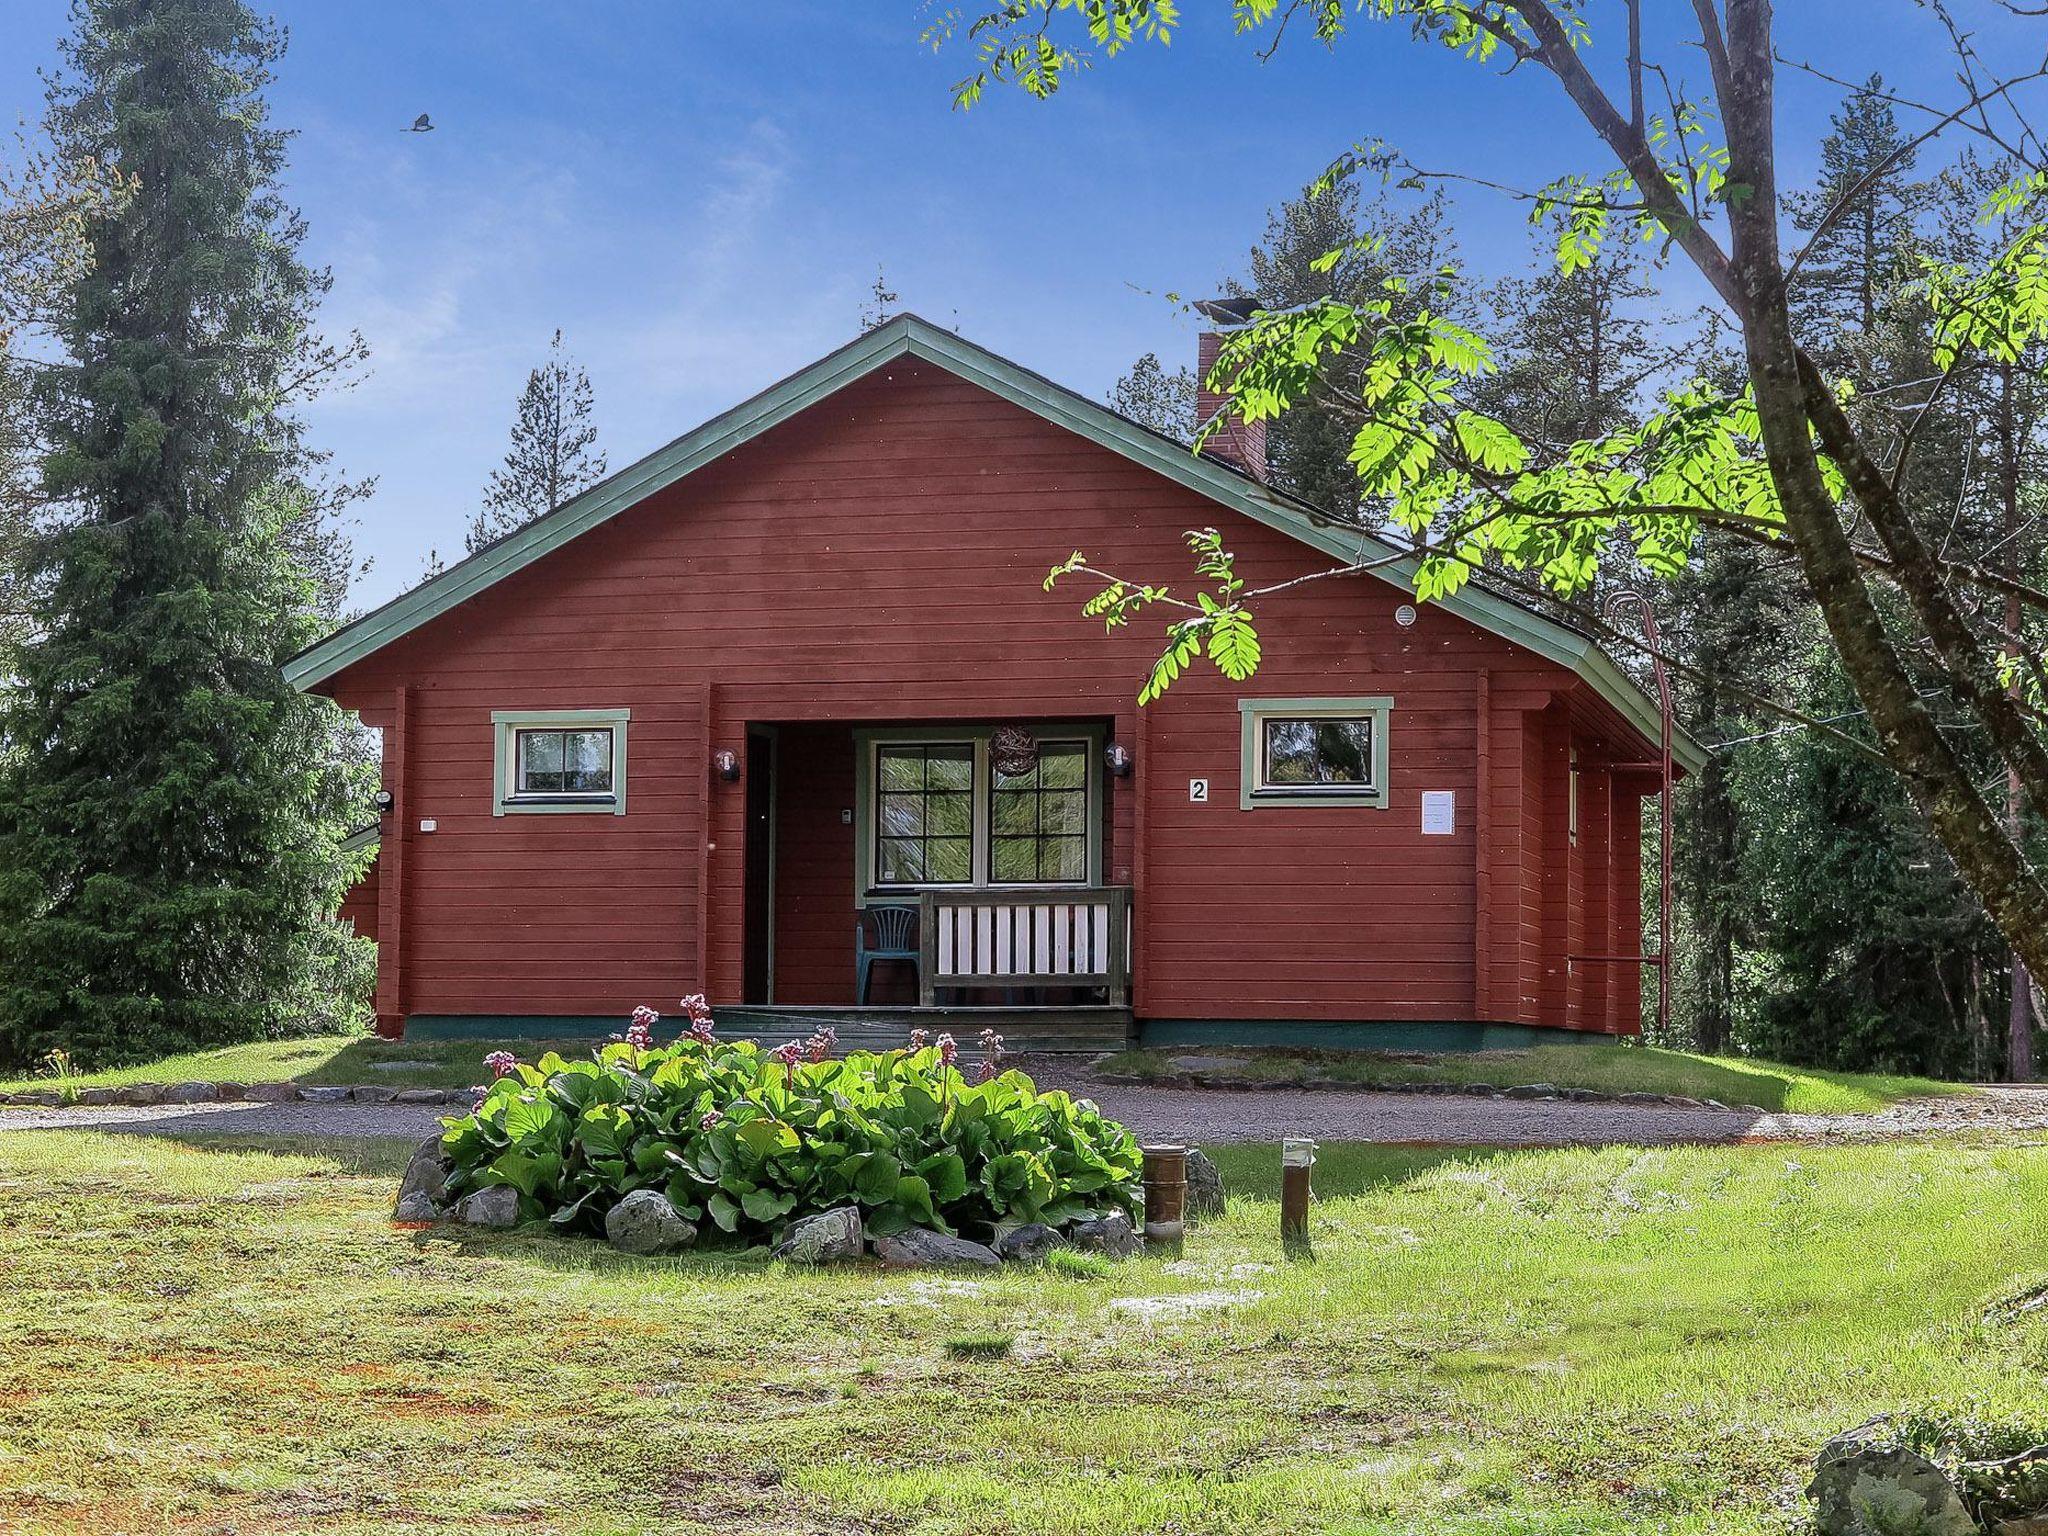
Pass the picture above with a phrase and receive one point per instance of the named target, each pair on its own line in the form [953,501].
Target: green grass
[1609,1068]
[200,1337]
[331,1059]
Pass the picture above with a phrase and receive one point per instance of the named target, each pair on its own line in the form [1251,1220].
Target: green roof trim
[910,336]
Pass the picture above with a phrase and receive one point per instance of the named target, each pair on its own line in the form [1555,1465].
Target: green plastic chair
[894,931]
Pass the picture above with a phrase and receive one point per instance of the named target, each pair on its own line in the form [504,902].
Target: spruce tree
[553,454]
[168,824]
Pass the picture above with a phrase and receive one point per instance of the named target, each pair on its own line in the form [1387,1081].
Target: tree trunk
[2019,1021]
[1788,415]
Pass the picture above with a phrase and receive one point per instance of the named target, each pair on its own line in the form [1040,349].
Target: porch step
[880,1029]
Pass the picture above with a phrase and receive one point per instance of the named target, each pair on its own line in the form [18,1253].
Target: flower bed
[744,1141]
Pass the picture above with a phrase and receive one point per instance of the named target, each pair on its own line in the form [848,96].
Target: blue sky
[700,195]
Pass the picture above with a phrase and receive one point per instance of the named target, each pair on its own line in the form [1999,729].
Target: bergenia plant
[501,1062]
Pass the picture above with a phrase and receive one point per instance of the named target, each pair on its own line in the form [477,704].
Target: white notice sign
[1439,812]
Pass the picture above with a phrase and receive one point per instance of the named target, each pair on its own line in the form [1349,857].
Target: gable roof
[909,336]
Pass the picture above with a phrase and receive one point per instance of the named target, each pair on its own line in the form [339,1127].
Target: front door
[758,980]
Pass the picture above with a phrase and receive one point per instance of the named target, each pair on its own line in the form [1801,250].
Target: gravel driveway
[1212,1115]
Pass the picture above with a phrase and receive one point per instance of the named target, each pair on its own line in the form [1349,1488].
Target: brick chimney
[1239,444]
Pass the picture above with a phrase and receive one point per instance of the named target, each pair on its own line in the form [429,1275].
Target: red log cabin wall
[880,558]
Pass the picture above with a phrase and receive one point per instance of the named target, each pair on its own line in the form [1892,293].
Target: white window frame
[506,724]
[867,745]
[1253,791]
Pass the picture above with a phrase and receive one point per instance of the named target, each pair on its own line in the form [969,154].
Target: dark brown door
[759,978]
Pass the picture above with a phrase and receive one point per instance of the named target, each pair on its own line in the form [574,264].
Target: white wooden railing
[1024,938]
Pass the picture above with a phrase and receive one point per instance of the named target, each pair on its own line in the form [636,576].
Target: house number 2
[1198,791]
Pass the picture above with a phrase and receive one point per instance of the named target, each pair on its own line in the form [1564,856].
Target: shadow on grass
[1252,1169]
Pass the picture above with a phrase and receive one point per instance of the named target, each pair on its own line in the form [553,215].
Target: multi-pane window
[1038,819]
[942,812]
[924,813]
[563,762]
[1331,752]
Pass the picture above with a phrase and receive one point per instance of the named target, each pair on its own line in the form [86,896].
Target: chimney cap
[1230,310]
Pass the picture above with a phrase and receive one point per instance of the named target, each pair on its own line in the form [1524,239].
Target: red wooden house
[685,731]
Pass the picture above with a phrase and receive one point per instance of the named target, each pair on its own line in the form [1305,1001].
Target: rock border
[1541,1092]
[234,1093]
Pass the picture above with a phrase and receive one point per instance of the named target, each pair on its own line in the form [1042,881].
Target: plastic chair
[894,930]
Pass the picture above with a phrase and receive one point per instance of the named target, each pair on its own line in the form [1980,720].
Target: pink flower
[711,1118]
[698,1011]
[789,1055]
[985,1073]
[501,1062]
[820,1045]
[917,1039]
[948,1051]
[640,1033]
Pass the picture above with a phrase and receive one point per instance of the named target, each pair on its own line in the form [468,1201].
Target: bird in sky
[419,125]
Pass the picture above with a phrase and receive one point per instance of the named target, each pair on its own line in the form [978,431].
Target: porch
[947,876]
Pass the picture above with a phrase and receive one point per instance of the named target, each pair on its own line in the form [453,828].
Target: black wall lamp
[726,764]
[1118,757]
[384,802]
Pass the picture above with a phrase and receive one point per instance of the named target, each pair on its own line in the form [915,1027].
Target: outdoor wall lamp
[726,764]
[384,802]
[1118,757]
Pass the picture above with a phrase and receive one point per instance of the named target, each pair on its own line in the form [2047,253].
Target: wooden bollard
[1297,1157]
[1166,1195]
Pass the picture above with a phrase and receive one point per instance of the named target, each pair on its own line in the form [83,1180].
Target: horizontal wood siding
[881,558]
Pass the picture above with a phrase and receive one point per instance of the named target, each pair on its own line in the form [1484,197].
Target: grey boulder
[415,1205]
[824,1238]
[272,1093]
[1205,1186]
[1110,1235]
[645,1222]
[1027,1244]
[1533,1091]
[324,1095]
[191,1093]
[497,1206]
[921,1248]
[1865,1484]
[426,1177]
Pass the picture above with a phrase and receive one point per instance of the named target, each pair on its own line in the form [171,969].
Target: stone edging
[1543,1092]
[237,1093]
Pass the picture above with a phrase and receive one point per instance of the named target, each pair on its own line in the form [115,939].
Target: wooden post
[1297,1157]
[927,949]
[1118,961]
[1166,1195]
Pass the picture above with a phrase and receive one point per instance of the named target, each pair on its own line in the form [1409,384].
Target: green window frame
[884,812]
[1336,752]
[521,740]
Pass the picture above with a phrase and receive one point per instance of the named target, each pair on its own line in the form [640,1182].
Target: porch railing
[1017,938]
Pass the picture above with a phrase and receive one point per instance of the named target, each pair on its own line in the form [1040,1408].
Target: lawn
[205,1338]
[351,1059]
[340,1059]
[1609,1068]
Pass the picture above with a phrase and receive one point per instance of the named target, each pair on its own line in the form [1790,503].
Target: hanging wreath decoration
[1013,750]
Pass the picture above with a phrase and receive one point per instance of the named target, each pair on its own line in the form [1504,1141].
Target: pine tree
[1309,448]
[168,838]
[553,453]
[1154,398]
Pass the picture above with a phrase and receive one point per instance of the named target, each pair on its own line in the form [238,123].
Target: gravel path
[1212,1115]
